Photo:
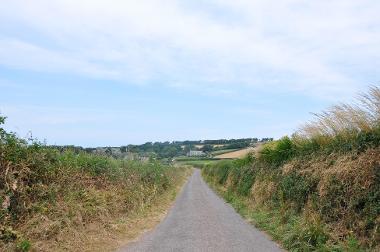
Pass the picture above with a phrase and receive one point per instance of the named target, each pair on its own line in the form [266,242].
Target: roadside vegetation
[318,189]
[54,200]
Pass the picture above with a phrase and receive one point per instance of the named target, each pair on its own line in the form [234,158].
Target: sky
[110,73]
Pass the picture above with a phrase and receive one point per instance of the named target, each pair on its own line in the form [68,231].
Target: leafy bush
[296,188]
[278,152]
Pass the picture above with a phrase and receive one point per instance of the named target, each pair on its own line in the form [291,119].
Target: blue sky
[109,73]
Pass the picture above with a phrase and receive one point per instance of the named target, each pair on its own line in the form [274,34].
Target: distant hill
[161,150]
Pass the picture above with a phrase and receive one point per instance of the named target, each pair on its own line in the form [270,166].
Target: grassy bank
[316,190]
[52,201]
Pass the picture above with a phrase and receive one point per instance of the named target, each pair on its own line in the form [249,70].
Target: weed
[24,246]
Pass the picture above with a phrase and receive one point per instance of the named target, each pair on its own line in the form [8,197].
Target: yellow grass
[112,232]
[363,116]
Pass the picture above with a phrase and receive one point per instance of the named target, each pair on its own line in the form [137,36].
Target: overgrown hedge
[320,188]
[44,192]
[338,184]
[338,181]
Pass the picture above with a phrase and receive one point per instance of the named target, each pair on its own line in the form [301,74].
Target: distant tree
[267,139]
[188,148]
[108,151]
[207,148]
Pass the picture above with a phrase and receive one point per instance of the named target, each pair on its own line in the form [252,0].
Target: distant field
[220,152]
[238,153]
[218,145]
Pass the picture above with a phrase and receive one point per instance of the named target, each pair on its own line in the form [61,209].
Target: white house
[194,153]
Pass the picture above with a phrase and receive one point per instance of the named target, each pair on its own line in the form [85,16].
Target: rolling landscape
[189,126]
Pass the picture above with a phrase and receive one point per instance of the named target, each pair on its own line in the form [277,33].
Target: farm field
[239,153]
[236,154]
[220,152]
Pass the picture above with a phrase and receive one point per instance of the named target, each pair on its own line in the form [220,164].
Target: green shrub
[278,152]
[24,246]
[222,170]
[296,189]
[243,179]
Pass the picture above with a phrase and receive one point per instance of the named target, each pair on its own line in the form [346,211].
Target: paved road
[201,221]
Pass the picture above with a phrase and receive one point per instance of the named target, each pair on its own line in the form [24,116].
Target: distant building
[194,153]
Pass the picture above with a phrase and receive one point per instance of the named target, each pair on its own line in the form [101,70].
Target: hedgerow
[45,192]
[326,175]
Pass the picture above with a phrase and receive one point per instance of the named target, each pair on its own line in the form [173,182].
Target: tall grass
[320,188]
[45,193]
[344,122]
[363,116]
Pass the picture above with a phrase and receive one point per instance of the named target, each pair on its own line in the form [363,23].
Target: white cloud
[67,125]
[51,116]
[291,45]
[19,54]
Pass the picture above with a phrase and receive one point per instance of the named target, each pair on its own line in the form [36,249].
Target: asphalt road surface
[201,221]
